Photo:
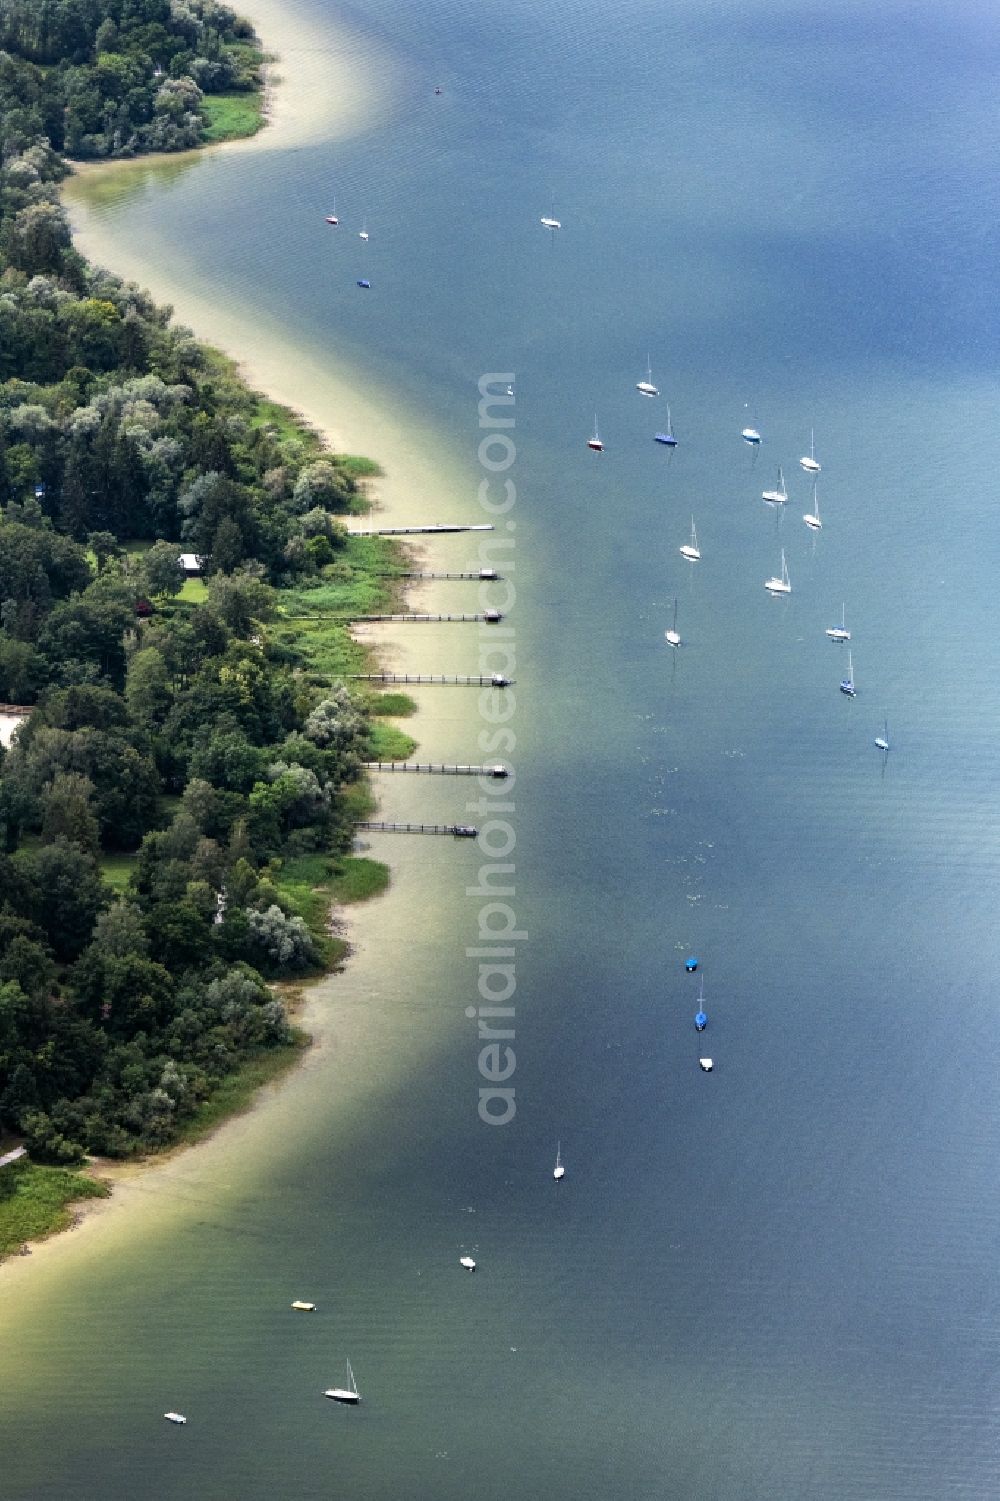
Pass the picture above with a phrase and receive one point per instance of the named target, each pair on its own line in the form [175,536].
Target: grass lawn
[194,592]
[116,870]
[230,117]
[396,704]
[389,743]
[34,1200]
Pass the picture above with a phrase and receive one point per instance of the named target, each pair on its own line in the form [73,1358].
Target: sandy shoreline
[313,391]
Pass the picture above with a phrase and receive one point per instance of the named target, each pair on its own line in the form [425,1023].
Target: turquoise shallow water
[778,1281]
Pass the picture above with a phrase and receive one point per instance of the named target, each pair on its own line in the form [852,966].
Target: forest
[102,78]
[183,752]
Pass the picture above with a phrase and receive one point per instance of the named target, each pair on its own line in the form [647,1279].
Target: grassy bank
[34,1201]
[232,117]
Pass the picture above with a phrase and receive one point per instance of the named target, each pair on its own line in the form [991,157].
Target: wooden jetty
[457,830]
[482,576]
[409,531]
[462,680]
[437,768]
[491,617]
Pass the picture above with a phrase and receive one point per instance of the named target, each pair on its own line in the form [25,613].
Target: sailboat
[779,585]
[646,387]
[779,496]
[348,1393]
[667,437]
[671,637]
[750,435]
[839,632]
[882,741]
[558,1171]
[701,1018]
[363,278]
[690,550]
[811,518]
[332,218]
[847,684]
[808,461]
[549,222]
[363,231]
[595,442]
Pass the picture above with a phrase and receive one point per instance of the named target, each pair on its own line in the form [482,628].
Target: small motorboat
[691,963]
[363,282]
[750,435]
[706,1065]
[301,1307]
[467,1262]
[465,831]
[175,1417]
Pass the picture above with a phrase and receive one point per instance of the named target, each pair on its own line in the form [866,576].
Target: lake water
[778,1280]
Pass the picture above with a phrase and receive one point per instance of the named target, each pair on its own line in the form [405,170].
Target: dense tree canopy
[113,77]
[167,727]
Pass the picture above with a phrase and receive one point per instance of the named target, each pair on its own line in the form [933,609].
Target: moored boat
[348,1394]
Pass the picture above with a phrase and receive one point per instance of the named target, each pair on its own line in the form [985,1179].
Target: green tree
[67,811]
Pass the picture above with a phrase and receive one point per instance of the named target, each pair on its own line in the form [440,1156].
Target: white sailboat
[558,1171]
[348,1393]
[839,632]
[646,387]
[811,518]
[332,218]
[847,684]
[780,495]
[808,461]
[549,222]
[750,434]
[691,550]
[779,585]
[882,741]
[363,231]
[671,636]
[595,442]
[467,1262]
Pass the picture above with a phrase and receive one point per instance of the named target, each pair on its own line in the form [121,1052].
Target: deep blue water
[777,1281]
